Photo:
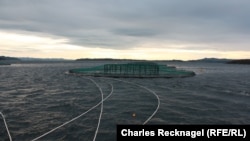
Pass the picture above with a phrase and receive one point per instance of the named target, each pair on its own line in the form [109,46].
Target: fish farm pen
[133,70]
[142,68]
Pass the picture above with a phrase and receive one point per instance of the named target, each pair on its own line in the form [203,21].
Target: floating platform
[133,70]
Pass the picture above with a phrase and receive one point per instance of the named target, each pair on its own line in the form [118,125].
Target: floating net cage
[134,69]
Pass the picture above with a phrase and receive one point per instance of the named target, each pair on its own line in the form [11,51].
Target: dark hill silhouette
[240,61]
[8,58]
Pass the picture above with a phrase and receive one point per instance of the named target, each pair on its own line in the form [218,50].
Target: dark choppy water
[36,98]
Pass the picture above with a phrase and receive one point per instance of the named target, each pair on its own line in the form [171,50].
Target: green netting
[172,70]
[97,69]
[135,69]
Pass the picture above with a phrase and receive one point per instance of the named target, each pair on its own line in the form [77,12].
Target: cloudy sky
[126,29]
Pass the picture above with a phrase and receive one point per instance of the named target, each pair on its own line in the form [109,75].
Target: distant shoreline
[6,59]
[240,61]
[2,64]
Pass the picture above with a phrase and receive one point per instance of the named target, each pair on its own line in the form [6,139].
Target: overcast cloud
[121,24]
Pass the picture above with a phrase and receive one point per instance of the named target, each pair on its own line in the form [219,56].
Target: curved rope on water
[151,91]
[6,126]
[77,116]
[100,116]
[158,106]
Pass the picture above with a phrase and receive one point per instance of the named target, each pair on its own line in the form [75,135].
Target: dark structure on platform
[137,68]
[145,69]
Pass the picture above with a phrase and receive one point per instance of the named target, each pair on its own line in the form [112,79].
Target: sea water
[37,97]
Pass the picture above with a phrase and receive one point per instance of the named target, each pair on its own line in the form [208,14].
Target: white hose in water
[6,126]
[101,102]
[151,91]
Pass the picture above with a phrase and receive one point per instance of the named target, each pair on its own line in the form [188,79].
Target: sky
[125,29]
